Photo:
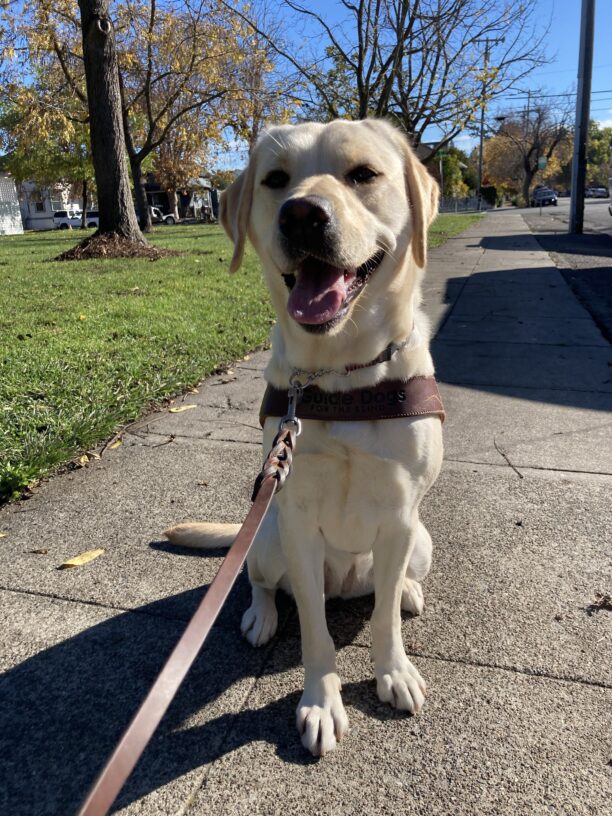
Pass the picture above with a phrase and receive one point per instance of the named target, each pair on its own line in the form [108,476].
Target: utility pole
[488,43]
[482,124]
[583,100]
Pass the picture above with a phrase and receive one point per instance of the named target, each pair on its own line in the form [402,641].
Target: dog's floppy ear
[423,192]
[235,211]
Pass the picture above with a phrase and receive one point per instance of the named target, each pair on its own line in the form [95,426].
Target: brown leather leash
[422,396]
[137,735]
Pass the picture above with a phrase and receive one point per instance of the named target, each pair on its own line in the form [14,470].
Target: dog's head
[332,211]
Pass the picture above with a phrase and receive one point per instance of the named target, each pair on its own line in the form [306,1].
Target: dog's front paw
[321,718]
[260,620]
[402,686]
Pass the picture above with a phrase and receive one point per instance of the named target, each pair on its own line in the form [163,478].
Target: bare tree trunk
[84,213]
[140,194]
[107,138]
[173,204]
[528,178]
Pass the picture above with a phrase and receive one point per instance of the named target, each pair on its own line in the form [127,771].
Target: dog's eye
[361,174]
[276,180]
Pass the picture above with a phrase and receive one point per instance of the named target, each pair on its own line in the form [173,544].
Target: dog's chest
[351,482]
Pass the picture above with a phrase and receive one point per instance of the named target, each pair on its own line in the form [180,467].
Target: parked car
[92,218]
[66,219]
[542,197]
[596,192]
[158,217]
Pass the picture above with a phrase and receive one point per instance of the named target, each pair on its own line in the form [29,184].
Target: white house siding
[39,203]
[10,214]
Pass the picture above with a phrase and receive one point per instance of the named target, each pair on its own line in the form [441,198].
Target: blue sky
[563,38]
[560,75]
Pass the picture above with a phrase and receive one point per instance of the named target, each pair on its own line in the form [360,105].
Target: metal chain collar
[300,378]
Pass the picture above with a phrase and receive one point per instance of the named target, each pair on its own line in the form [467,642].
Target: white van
[66,219]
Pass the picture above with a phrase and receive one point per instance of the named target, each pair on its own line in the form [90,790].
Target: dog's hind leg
[266,567]
[418,568]
[260,620]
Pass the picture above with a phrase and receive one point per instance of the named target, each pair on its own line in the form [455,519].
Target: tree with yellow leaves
[511,157]
[179,159]
[178,65]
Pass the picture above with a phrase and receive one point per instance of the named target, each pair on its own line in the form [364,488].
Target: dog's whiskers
[386,251]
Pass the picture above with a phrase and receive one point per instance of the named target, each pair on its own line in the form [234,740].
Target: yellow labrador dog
[338,214]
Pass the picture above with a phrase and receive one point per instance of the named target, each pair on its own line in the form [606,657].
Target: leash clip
[294,394]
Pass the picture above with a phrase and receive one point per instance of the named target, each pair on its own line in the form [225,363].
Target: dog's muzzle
[307,226]
[320,291]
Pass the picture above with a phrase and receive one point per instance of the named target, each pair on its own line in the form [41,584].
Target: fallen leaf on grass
[180,408]
[84,459]
[193,391]
[115,444]
[82,558]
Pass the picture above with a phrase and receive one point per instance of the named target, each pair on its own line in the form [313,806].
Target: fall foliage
[187,70]
[511,156]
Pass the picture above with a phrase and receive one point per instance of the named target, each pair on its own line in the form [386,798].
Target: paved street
[518,719]
[585,260]
[597,217]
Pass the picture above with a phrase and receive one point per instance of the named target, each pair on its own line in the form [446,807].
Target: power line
[568,70]
[553,96]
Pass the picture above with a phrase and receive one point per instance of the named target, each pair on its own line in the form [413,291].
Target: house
[196,201]
[10,215]
[39,203]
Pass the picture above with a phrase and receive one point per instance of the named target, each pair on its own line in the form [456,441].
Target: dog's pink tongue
[318,294]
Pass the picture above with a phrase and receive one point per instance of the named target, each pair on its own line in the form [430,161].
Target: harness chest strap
[390,399]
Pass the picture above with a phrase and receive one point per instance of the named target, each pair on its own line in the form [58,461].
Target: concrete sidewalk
[518,718]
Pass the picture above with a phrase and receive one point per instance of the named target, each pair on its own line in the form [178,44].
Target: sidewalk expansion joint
[527,468]
[525,672]
[205,439]
[478,386]
[79,601]
[471,341]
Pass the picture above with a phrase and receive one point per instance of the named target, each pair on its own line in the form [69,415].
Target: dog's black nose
[303,221]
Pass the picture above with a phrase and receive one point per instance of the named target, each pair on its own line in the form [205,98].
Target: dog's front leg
[398,681]
[321,718]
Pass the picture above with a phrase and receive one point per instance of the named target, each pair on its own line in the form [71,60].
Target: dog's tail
[203,535]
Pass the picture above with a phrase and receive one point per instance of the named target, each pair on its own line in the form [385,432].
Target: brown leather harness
[417,396]
[390,399]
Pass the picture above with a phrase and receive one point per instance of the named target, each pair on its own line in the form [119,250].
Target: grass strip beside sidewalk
[88,346]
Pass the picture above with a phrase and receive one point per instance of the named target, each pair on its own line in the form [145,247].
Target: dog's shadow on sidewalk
[63,710]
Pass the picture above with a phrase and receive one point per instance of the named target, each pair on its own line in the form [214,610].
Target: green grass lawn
[448,224]
[87,346]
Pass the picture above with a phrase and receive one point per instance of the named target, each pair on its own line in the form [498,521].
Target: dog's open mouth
[321,293]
